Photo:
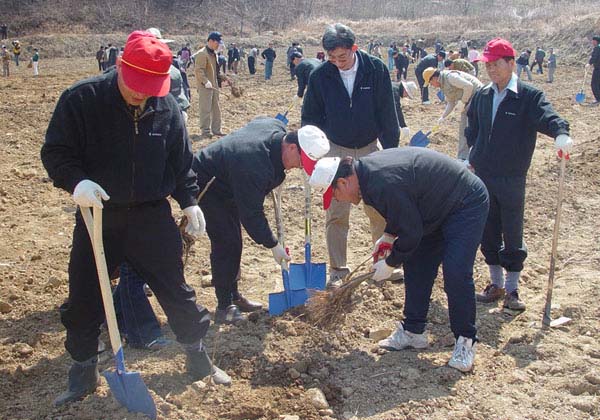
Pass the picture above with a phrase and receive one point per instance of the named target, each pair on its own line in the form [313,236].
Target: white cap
[323,175]
[411,89]
[313,146]
[158,35]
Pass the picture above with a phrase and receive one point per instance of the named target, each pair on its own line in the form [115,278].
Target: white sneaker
[426,102]
[337,276]
[401,339]
[463,356]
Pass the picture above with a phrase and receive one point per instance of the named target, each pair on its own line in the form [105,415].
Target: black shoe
[246,305]
[83,380]
[199,366]
[231,315]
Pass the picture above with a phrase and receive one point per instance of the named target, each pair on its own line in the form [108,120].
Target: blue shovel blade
[317,278]
[441,96]
[298,278]
[580,98]
[282,118]
[420,139]
[282,301]
[129,390]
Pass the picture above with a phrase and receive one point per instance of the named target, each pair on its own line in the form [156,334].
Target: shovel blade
[282,301]
[557,322]
[298,279]
[129,390]
[318,276]
[308,276]
[420,139]
[580,98]
[282,118]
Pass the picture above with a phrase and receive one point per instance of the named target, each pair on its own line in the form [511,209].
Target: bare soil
[521,372]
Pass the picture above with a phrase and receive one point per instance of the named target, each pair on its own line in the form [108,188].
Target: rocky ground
[283,366]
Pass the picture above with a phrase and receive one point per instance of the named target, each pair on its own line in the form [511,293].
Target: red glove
[383,247]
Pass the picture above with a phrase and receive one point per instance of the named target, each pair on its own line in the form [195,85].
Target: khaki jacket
[206,68]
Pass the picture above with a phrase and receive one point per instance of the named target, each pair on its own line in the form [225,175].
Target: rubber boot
[83,380]
[199,366]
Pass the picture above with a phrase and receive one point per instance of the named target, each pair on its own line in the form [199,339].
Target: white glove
[280,254]
[564,145]
[382,271]
[383,247]
[588,65]
[196,225]
[208,85]
[404,133]
[89,194]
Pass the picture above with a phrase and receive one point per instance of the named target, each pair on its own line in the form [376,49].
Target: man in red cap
[118,141]
[504,119]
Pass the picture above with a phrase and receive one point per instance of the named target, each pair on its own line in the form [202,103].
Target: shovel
[127,387]
[289,298]
[441,96]
[283,117]
[421,139]
[311,275]
[580,97]
[547,320]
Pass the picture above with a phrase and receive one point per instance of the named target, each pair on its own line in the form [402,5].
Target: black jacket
[414,189]
[303,71]
[269,54]
[506,148]
[247,165]
[595,58]
[353,122]
[94,135]
[429,60]
[398,91]
[401,60]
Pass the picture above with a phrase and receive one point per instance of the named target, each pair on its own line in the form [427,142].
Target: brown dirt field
[521,372]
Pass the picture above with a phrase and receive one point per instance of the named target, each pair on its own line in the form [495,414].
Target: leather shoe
[246,305]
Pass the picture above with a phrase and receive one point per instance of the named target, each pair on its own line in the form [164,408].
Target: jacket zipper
[136,117]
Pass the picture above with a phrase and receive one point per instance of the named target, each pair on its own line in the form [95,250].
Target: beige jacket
[206,68]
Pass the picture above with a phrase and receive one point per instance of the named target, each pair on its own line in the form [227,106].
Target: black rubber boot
[199,366]
[83,380]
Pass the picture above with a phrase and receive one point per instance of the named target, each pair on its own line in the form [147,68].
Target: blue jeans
[135,316]
[454,245]
[268,69]
[520,68]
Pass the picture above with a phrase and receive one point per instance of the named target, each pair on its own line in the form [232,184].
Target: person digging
[246,165]
[435,211]
[118,141]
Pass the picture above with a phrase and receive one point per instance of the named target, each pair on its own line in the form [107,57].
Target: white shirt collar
[351,71]
[512,84]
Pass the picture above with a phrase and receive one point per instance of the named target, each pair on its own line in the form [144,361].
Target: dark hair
[296,54]
[448,63]
[292,138]
[508,58]
[345,169]
[442,54]
[596,38]
[435,74]
[338,36]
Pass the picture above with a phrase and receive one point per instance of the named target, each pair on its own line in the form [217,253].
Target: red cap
[145,64]
[307,163]
[496,49]
[327,196]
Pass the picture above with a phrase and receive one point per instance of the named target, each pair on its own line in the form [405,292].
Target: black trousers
[424,90]
[224,230]
[502,242]
[251,65]
[148,239]
[596,83]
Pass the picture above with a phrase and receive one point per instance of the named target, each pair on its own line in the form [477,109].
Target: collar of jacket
[152,104]
[365,66]
[488,91]
[275,148]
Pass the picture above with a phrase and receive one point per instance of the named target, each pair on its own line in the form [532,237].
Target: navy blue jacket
[246,165]
[269,54]
[414,189]
[506,148]
[353,122]
[94,135]
[429,60]
[595,57]
[303,71]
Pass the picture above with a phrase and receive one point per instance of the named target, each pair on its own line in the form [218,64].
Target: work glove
[280,254]
[196,225]
[405,133]
[468,165]
[382,272]
[587,66]
[208,85]
[89,194]
[383,247]
[564,145]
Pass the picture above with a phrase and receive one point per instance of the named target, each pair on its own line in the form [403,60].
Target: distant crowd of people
[13,53]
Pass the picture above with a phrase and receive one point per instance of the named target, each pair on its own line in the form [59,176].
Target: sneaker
[512,301]
[426,103]
[337,276]
[490,294]
[401,339]
[231,315]
[463,355]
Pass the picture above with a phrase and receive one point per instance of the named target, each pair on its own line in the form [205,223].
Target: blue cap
[215,35]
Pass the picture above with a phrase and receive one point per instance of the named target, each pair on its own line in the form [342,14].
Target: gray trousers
[209,110]
[463,147]
[337,221]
